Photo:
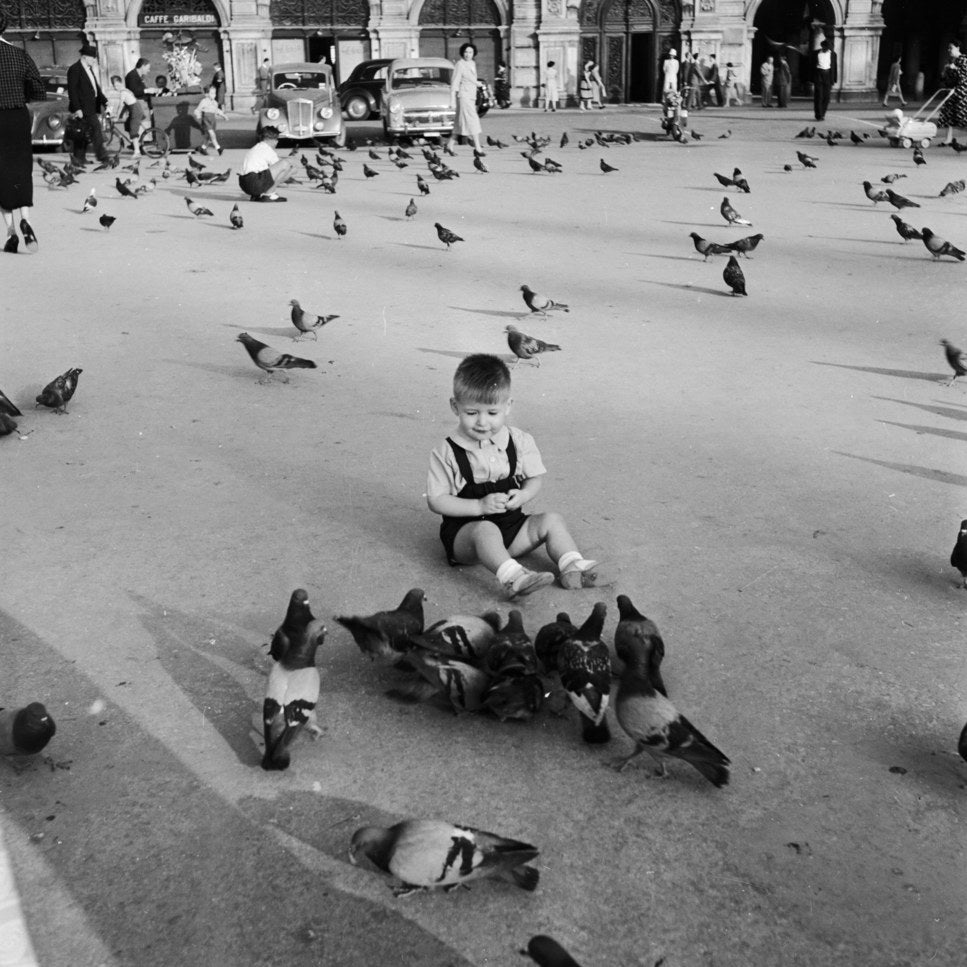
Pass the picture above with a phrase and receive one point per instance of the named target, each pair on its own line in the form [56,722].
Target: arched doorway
[187,25]
[788,28]
[332,31]
[446,24]
[626,38]
[51,31]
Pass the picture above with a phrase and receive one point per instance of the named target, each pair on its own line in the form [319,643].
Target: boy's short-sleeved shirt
[488,459]
[260,157]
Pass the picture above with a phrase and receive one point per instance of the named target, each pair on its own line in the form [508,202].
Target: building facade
[628,39]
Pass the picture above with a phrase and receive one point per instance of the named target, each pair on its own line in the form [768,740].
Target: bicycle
[152,141]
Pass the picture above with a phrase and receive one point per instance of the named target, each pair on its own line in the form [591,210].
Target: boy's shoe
[528,582]
[573,577]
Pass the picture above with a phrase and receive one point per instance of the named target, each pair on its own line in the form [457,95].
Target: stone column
[858,49]
[524,70]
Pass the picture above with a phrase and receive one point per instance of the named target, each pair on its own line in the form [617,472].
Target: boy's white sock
[573,559]
[509,570]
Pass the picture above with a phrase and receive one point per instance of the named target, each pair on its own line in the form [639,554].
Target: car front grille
[300,118]
[426,119]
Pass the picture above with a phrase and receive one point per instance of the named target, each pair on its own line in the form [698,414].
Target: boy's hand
[493,504]
[515,499]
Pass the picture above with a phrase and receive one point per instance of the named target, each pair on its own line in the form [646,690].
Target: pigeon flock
[485,665]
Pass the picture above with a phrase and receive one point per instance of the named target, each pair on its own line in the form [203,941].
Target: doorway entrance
[786,28]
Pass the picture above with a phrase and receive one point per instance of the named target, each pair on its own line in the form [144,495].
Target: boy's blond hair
[481,378]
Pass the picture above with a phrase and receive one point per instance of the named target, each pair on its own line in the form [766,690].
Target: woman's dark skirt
[16,159]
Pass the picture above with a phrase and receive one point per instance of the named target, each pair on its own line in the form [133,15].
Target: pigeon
[548,641]
[305,322]
[875,195]
[724,180]
[535,165]
[904,229]
[465,685]
[962,744]
[339,226]
[745,245]
[193,162]
[516,696]
[527,347]
[90,202]
[918,158]
[25,731]
[891,178]
[235,217]
[739,181]
[7,406]
[199,211]
[636,634]
[898,201]
[422,185]
[830,139]
[726,135]
[734,277]
[374,154]
[937,246]
[123,189]
[59,391]
[461,636]
[806,160]
[537,302]
[7,424]
[511,651]
[704,247]
[731,215]
[953,188]
[855,138]
[547,952]
[958,557]
[606,168]
[385,633]
[805,133]
[106,221]
[584,664]
[956,358]
[446,236]
[564,141]
[480,166]
[655,725]
[270,360]
[293,687]
[410,209]
[426,854]
[368,172]
[957,146]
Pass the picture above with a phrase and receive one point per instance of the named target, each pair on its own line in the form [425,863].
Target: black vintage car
[361,93]
[48,119]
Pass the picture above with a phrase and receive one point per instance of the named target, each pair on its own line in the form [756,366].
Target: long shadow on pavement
[880,371]
[929,473]
[932,430]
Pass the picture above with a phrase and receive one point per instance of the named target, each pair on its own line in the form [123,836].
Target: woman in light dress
[463,97]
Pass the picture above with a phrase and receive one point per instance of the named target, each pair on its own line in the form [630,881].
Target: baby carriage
[674,117]
[905,131]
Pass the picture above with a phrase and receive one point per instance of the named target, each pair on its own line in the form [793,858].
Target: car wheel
[356,108]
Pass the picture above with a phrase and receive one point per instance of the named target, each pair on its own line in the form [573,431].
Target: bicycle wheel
[154,143]
[111,136]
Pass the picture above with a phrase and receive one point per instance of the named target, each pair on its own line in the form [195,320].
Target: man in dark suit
[86,101]
[824,79]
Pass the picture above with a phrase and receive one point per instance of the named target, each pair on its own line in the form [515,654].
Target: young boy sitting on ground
[262,169]
[482,476]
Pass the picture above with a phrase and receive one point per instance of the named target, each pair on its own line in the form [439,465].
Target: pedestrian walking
[824,79]
[86,102]
[783,82]
[669,71]
[598,93]
[134,82]
[893,82]
[263,82]
[715,81]
[463,96]
[551,87]
[585,88]
[954,113]
[731,92]
[766,72]
[207,114]
[20,82]
[218,82]
[695,80]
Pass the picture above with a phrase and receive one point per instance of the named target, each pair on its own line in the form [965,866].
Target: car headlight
[272,113]
[395,105]
[325,113]
[53,122]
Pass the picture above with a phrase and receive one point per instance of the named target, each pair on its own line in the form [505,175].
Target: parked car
[362,92]
[416,97]
[48,119]
[302,102]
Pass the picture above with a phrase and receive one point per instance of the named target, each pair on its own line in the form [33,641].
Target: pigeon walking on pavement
[527,347]
[425,854]
[706,248]
[410,209]
[270,360]
[446,236]
[547,952]
[59,391]
[807,161]
[537,302]
[292,691]
[938,246]
[606,168]
[734,277]
[235,218]
[339,226]
[26,730]
[905,230]
[958,557]
[306,322]
[745,245]
[584,664]
[898,201]
[730,214]
[91,201]
[875,195]
[956,358]
[123,189]
[106,221]
[636,634]
[199,211]
[385,634]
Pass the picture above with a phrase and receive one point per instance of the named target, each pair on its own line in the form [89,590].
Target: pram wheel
[925,143]
[906,143]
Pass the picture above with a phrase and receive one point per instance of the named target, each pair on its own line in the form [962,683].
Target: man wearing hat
[86,101]
[669,70]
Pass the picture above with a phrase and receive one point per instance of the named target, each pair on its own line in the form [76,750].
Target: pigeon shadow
[98,230]
[928,473]
[392,218]
[328,238]
[235,372]
[938,410]
[931,430]
[865,241]
[280,331]
[453,354]
[503,314]
[672,258]
[704,224]
[688,288]
[880,371]
[429,248]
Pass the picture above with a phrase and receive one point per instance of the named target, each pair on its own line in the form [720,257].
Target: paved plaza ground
[776,480]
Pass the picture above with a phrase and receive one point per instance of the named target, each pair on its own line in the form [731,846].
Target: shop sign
[177,20]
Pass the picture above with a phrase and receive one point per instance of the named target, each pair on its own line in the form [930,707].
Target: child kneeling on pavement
[262,169]
[481,477]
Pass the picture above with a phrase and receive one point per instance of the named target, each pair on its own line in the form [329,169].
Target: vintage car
[416,97]
[48,118]
[303,104]
[362,92]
